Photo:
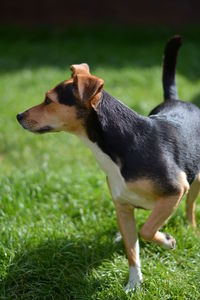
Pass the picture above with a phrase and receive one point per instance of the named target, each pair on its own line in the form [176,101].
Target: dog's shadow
[59,268]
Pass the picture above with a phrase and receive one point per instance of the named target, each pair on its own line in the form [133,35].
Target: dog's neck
[115,128]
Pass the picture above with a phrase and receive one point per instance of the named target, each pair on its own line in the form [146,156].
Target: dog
[150,162]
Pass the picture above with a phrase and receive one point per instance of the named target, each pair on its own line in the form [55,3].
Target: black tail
[169,67]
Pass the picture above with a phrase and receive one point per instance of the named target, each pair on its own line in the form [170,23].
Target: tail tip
[175,42]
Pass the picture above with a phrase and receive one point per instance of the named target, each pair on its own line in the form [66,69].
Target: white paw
[132,285]
[117,237]
[169,241]
[135,278]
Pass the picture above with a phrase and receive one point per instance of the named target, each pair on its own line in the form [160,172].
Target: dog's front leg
[128,230]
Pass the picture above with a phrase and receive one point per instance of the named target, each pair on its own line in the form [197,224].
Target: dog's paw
[135,278]
[132,285]
[169,242]
[117,237]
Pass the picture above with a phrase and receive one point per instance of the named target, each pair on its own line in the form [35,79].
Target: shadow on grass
[102,47]
[58,269]
[65,268]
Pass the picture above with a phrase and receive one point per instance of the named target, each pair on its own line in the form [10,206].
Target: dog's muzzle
[20,117]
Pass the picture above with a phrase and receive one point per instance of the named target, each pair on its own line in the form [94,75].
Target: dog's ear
[89,88]
[80,69]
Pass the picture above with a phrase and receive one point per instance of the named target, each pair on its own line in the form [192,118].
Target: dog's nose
[20,117]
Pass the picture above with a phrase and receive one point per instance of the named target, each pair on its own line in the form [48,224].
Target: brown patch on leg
[149,188]
[163,209]
[108,184]
[127,227]
[144,188]
[183,183]
[191,201]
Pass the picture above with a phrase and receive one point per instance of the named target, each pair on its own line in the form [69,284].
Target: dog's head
[66,105]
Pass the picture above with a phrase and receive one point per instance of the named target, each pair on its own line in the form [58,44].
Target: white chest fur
[119,189]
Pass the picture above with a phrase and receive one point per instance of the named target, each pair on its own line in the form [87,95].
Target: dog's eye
[47,101]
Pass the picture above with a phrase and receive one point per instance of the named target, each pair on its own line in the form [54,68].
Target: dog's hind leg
[191,201]
[161,212]
[163,209]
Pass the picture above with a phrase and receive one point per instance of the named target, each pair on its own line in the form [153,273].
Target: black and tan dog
[150,162]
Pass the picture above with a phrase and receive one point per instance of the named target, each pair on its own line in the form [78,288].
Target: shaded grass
[57,220]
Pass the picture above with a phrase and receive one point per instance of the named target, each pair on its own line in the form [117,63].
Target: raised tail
[169,68]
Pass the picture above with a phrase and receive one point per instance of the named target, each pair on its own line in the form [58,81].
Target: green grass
[57,220]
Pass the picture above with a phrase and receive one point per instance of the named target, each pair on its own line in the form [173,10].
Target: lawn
[57,220]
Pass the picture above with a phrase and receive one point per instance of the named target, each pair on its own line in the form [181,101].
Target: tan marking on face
[58,116]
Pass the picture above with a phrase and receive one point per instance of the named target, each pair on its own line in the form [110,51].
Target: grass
[57,220]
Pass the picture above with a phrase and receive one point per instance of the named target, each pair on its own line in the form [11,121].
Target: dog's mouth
[43,129]
[40,130]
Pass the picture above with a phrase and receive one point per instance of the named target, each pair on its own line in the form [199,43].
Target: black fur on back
[156,147]
[169,67]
